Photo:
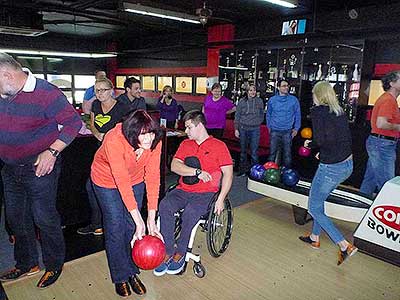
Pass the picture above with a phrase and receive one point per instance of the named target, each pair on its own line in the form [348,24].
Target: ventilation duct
[21,31]
[22,22]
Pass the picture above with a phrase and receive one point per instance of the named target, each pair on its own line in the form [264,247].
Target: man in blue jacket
[283,121]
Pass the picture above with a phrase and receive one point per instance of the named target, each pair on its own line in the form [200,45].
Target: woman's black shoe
[123,289]
[137,286]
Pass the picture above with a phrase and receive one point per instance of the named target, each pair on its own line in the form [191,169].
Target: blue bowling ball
[257,172]
[283,169]
[290,177]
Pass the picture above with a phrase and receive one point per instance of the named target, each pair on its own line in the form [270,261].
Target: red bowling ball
[148,253]
[270,165]
[304,151]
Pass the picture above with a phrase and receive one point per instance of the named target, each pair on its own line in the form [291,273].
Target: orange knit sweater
[115,165]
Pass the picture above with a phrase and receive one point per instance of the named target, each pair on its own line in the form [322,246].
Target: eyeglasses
[100,91]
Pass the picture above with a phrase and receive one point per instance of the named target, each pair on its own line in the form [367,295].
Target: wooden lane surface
[264,261]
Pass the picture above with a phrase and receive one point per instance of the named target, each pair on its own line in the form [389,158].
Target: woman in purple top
[168,107]
[215,109]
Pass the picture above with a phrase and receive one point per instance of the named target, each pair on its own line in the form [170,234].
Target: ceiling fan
[204,14]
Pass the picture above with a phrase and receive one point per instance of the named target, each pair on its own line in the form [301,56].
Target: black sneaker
[48,278]
[90,229]
[15,273]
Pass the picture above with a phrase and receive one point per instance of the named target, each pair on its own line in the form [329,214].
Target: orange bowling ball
[306,133]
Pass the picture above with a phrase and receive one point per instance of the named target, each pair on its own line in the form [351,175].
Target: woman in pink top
[215,109]
[127,162]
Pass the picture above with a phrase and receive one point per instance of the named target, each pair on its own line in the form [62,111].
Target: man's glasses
[100,91]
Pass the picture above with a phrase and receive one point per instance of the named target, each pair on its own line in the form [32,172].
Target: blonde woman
[336,165]
[169,108]
[106,113]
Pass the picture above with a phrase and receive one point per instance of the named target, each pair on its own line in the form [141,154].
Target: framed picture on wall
[149,83]
[184,84]
[201,85]
[119,81]
[163,81]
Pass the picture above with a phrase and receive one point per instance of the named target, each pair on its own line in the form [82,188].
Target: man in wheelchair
[205,166]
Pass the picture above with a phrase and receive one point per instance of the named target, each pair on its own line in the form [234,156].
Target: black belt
[392,138]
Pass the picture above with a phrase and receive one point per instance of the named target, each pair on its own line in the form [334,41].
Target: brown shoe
[307,239]
[15,273]
[342,255]
[123,289]
[136,285]
[48,278]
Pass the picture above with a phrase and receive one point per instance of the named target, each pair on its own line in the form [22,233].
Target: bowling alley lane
[264,261]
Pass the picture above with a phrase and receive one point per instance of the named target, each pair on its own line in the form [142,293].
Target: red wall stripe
[218,33]
[382,69]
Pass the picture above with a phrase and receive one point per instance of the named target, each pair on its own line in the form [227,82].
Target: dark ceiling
[106,18]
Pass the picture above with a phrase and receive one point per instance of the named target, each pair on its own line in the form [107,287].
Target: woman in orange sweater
[126,163]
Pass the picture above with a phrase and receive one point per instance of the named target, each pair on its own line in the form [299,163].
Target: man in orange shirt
[382,142]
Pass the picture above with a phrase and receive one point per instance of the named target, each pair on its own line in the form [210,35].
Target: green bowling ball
[272,176]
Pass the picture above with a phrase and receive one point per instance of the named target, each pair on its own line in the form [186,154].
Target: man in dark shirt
[37,122]
[132,97]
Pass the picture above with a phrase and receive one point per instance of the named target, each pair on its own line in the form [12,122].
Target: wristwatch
[198,172]
[54,152]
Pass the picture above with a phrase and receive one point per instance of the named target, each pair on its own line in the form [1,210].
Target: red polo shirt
[212,154]
[385,106]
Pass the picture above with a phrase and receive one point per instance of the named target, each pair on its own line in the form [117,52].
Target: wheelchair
[218,231]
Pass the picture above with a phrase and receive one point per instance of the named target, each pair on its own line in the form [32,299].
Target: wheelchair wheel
[199,270]
[219,229]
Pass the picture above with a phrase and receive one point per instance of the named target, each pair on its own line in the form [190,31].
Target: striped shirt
[29,121]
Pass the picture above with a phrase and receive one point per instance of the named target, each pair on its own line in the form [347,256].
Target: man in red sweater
[37,122]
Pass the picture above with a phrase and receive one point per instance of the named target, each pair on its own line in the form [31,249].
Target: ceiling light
[160,13]
[234,68]
[284,3]
[56,53]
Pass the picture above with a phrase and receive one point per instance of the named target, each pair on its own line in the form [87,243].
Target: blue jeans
[95,211]
[281,140]
[380,165]
[30,201]
[326,179]
[195,205]
[252,137]
[119,229]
